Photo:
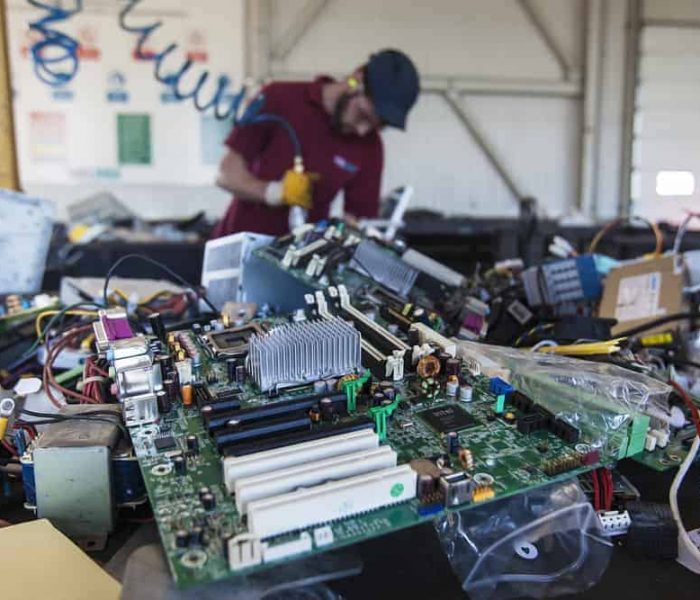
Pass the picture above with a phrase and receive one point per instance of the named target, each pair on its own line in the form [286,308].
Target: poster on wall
[47,134]
[134,139]
[212,133]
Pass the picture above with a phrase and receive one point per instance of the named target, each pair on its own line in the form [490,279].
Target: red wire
[594,479]
[9,448]
[694,414]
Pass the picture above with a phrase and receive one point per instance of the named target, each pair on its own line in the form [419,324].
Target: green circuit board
[512,461]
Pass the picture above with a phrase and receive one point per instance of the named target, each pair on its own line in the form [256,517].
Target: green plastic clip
[500,404]
[380,414]
[352,387]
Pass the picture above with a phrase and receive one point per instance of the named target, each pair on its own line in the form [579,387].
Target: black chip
[446,418]
[165,443]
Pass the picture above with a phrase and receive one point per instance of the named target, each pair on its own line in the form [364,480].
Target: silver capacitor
[465,393]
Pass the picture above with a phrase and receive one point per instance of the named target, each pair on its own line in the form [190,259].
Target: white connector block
[430,336]
[236,467]
[331,501]
[615,522]
[286,549]
[244,551]
[283,481]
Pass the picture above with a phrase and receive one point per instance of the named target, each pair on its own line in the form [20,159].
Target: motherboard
[294,435]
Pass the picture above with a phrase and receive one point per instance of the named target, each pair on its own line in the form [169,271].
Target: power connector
[614,522]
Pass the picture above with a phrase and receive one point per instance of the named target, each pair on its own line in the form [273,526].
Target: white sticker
[638,297]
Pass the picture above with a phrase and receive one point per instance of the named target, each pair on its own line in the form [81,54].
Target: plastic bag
[599,399]
[542,543]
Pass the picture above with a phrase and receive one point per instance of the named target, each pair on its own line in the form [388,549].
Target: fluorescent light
[675,183]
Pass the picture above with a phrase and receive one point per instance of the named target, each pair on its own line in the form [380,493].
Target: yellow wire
[147,299]
[589,349]
[74,313]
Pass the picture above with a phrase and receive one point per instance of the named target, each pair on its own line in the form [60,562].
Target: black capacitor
[231,365]
[182,538]
[192,444]
[196,536]
[165,363]
[180,465]
[203,491]
[197,328]
[326,406]
[241,374]
[164,404]
[156,323]
[390,393]
[208,501]
[426,485]
[377,398]
[443,357]
[452,367]
[155,346]
[452,442]
[413,337]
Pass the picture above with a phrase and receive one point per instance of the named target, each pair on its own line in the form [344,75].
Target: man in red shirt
[337,124]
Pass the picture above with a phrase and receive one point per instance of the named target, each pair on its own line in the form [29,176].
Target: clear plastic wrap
[600,399]
[541,543]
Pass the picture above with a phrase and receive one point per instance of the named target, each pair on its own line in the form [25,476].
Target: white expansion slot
[342,293]
[283,481]
[331,501]
[236,467]
[430,336]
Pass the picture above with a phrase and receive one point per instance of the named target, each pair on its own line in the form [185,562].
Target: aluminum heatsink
[304,352]
[384,267]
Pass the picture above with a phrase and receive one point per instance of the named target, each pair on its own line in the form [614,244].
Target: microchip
[446,418]
[164,443]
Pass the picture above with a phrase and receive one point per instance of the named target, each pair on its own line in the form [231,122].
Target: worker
[337,124]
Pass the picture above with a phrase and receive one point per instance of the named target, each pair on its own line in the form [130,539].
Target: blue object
[498,386]
[391,81]
[430,509]
[589,277]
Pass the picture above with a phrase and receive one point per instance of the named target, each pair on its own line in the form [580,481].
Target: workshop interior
[337,299]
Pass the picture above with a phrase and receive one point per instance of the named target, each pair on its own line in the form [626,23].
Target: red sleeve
[250,140]
[362,193]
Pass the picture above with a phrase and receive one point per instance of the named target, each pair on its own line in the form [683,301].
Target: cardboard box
[642,291]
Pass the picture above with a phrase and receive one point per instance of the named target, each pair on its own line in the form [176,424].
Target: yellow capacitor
[187,394]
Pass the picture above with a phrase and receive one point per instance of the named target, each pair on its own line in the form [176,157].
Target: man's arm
[235,177]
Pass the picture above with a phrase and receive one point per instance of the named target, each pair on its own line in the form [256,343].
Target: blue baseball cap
[392,83]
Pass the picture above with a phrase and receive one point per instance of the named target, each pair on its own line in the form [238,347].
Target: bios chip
[164,443]
[449,417]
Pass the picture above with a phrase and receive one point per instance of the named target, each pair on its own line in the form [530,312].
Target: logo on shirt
[345,164]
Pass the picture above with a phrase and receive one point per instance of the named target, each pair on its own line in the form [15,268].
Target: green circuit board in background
[512,459]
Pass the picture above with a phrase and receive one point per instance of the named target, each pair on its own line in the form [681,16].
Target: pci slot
[298,258]
[289,455]
[283,481]
[263,429]
[216,420]
[331,501]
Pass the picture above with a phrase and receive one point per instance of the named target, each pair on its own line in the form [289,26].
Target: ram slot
[376,333]
[283,481]
[331,501]
[236,467]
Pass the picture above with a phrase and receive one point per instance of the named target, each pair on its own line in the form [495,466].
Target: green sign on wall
[134,139]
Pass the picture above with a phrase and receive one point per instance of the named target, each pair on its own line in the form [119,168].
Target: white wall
[667,134]
[178,182]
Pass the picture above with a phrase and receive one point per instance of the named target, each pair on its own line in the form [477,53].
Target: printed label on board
[638,297]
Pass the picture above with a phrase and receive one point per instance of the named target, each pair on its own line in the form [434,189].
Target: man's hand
[295,189]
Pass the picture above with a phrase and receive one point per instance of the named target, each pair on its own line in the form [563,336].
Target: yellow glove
[295,189]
